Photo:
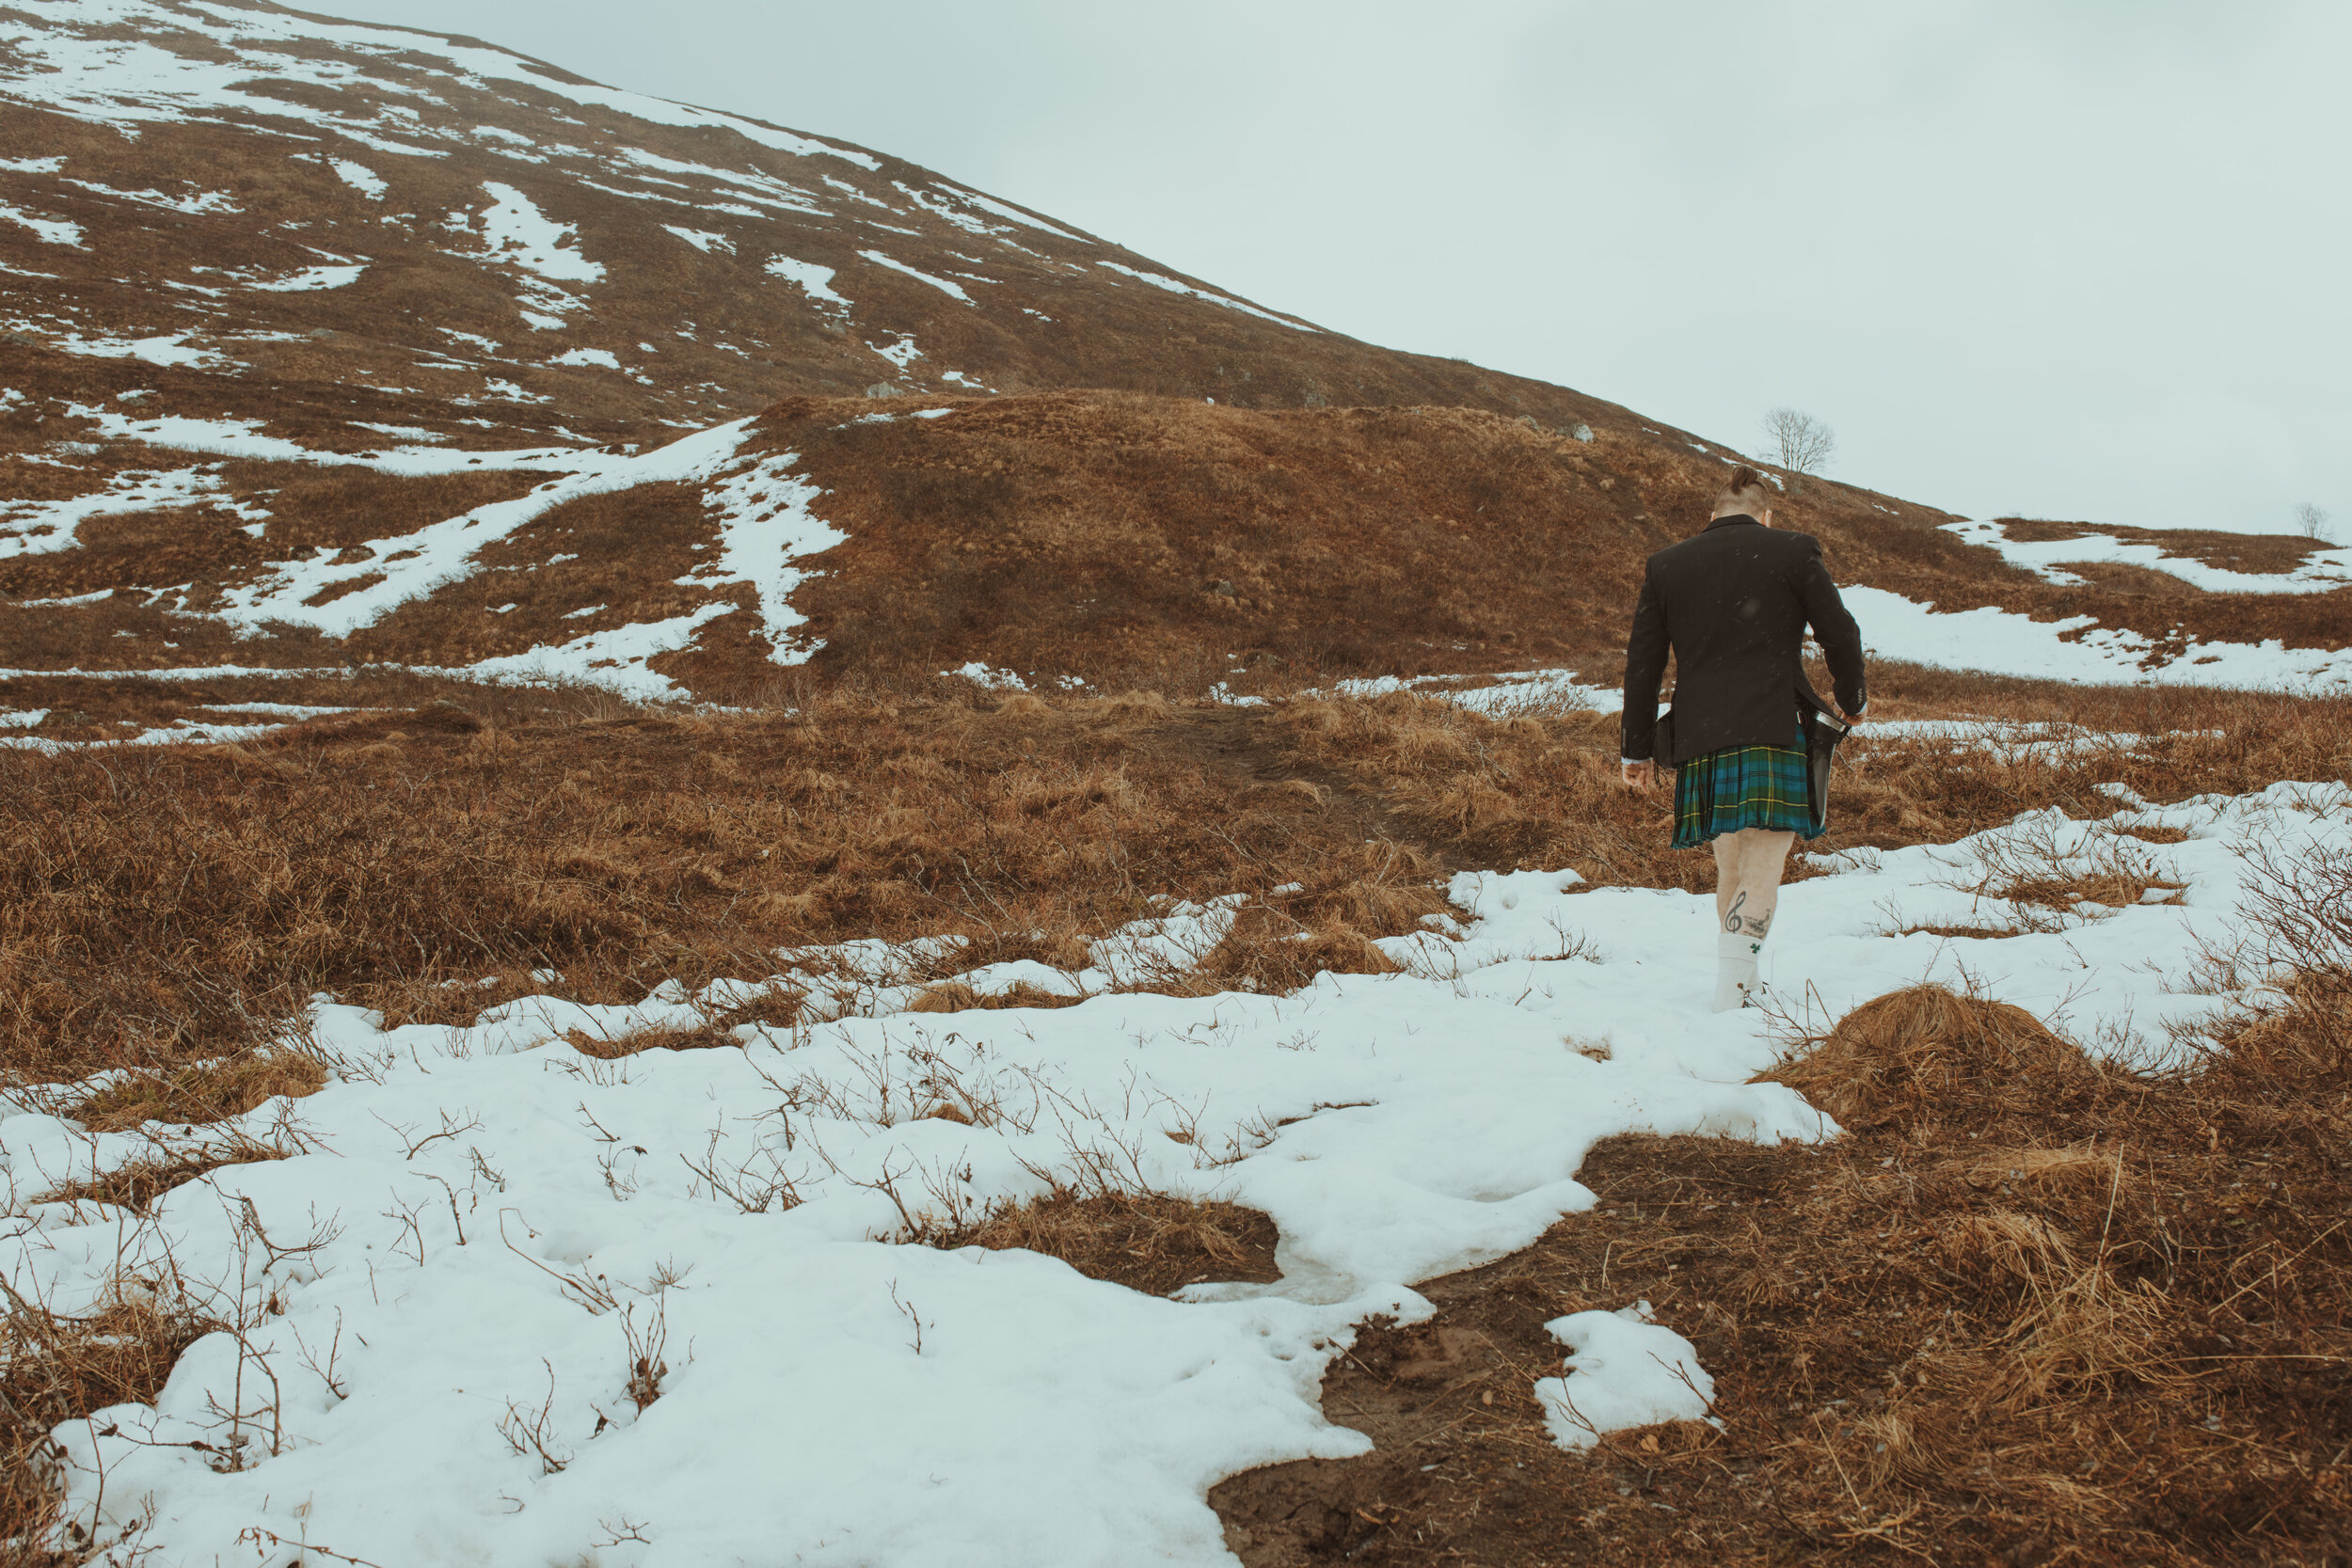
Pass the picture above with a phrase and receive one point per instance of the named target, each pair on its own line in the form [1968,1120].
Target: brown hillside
[1113,538]
[1116,538]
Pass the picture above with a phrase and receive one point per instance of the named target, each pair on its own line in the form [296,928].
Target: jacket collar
[1726,522]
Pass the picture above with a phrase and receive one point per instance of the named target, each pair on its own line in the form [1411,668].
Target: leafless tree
[1801,443]
[2311,522]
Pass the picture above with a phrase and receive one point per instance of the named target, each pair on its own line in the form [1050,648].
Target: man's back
[1733,603]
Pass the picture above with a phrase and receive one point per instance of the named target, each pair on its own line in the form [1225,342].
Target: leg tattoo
[1759,926]
[1731,916]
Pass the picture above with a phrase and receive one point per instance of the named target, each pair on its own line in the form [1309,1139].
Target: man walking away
[1732,603]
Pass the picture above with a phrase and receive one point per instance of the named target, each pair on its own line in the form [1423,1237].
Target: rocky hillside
[331,345]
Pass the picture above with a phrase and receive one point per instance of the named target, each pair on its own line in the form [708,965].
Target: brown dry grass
[2232,553]
[1119,538]
[954,996]
[2102,1322]
[1528,791]
[137,1184]
[1126,539]
[1147,1242]
[166,906]
[703,1037]
[54,1370]
[1929,1055]
[170,905]
[167,909]
[203,1091]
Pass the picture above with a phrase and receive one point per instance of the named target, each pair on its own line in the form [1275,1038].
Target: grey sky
[2072,260]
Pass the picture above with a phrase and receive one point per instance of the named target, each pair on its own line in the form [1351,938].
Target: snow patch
[45,527]
[517,234]
[765,528]
[443,553]
[705,240]
[192,62]
[2004,642]
[1160,280]
[981,675]
[360,178]
[990,204]
[954,291]
[2320,571]
[1395,1127]
[53,230]
[313,277]
[1629,1372]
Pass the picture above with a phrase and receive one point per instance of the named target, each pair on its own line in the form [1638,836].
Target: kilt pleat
[1742,786]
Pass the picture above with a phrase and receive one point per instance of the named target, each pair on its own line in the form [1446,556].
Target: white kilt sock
[1736,953]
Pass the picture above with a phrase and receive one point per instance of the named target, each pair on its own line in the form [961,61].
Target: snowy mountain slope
[326,344]
[470,235]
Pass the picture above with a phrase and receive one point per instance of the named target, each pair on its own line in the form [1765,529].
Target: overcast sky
[2080,260]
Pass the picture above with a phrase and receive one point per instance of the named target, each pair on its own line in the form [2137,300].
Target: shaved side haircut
[1745,495]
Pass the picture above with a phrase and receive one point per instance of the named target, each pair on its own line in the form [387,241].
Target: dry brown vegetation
[203,1091]
[705,334]
[54,1370]
[138,1183]
[1131,540]
[2031,1309]
[1144,1241]
[2230,552]
[1118,539]
[176,904]
[165,905]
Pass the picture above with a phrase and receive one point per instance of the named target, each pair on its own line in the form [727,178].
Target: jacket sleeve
[1645,673]
[1834,627]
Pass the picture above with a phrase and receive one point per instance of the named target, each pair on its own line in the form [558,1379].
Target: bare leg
[1727,848]
[1748,868]
[1755,858]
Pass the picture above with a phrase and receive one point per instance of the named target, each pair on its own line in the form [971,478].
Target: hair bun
[1745,478]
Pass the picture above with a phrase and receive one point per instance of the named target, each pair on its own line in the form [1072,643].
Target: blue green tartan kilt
[1743,786]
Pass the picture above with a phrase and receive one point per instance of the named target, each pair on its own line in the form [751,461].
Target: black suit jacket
[1733,603]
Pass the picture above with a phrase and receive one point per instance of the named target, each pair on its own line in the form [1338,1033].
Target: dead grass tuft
[161,906]
[1146,1241]
[138,1183]
[2099,1325]
[698,1037]
[954,996]
[1928,1055]
[54,1370]
[202,1092]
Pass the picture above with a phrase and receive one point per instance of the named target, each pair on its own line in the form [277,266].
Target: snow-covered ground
[2321,572]
[2004,642]
[762,510]
[437,1301]
[123,63]
[1509,693]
